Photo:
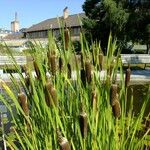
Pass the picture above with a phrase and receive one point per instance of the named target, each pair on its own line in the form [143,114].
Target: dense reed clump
[74,108]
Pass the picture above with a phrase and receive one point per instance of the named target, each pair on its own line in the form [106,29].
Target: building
[4,33]
[15,24]
[40,30]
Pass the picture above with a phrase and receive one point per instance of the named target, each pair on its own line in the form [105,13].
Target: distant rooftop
[4,31]
[14,36]
[53,23]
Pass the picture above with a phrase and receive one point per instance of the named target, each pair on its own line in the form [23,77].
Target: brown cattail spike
[52,63]
[113,93]
[63,142]
[66,35]
[100,62]
[50,95]
[83,124]
[88,71]
[127,76]
[116,108]
[23,103]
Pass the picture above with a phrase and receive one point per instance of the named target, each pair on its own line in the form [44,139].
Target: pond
[139,93]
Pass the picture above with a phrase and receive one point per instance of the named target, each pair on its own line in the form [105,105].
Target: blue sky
[33,11]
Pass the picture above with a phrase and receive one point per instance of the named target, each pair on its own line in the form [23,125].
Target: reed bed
[54,111]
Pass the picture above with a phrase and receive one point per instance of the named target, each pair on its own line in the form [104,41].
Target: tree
[127,20]
[104,16]
[138,25]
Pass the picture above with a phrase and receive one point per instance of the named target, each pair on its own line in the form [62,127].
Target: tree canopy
[127,20]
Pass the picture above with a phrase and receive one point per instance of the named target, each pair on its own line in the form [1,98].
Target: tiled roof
[53,23]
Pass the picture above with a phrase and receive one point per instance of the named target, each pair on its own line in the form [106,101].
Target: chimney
[65,11]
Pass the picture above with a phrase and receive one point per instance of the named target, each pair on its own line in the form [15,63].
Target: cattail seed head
[23,103]
[100,62]
[83,124]
[52,64]
[66,35]
[63,142]
[88,71]
[113,93]
[50,95]
[127,76]
[116,108]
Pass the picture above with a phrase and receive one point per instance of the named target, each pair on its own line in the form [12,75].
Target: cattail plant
[115,101]
[100,61]
[81,59]
[88,71]
[60,64]
[116,107]
[83,123]
[94,99]
[82,71]
[146,123]
[69,70]
[113,93]
[23,103]
[50,95]
[83,76]
[37,71]
[110,69]
[66,36]
[52,62]
[63,142]
[127,76]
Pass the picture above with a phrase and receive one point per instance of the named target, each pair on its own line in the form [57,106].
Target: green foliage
[127,21]
[37,127]
[104,16]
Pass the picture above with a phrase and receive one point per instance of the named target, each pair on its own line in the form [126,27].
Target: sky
[34,11]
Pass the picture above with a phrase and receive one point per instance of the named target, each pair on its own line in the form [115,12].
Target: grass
[52,111]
